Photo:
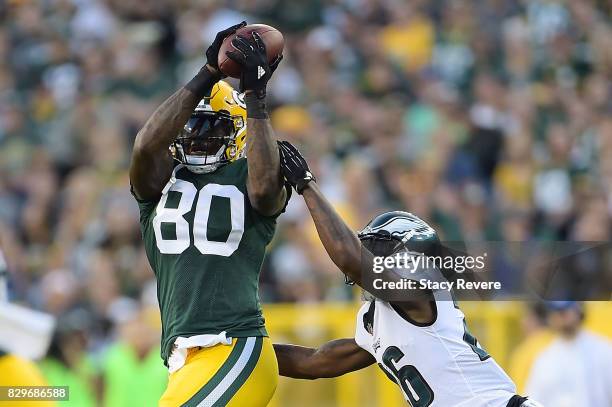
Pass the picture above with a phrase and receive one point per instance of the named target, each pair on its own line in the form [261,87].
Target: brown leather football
[271,37]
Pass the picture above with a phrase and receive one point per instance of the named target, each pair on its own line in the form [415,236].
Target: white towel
[181,345]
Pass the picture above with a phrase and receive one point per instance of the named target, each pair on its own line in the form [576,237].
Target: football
[271,36]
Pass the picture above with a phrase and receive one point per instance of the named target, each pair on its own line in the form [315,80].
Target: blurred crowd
[491,119]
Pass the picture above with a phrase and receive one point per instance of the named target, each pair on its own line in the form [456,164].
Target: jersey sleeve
[364,328]
[146,207]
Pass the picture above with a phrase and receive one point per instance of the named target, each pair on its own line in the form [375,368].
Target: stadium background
[490,118]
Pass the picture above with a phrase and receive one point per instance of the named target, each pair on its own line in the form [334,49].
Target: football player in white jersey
[423,344]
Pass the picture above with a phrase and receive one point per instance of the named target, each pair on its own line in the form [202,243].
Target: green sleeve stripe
[243,376]
[220,375]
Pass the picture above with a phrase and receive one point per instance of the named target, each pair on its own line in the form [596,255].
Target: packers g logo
[237,99]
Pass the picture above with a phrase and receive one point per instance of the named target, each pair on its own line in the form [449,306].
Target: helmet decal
[238,98]
[399,224]
[404,227]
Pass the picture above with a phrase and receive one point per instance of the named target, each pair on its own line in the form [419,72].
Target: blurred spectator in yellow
[408,40]
[292,122]
[515,173]
[537,338]
[17,371]
[574,370]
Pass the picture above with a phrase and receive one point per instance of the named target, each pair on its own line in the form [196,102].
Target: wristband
[202,83]
[256,105]
[303,183]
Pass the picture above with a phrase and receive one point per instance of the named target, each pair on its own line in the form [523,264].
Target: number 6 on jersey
[176,216]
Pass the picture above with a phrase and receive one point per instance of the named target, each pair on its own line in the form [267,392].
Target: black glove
[294,167]
[256,71]
[212,53]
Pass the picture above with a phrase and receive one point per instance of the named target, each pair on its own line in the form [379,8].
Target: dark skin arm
[340,242]
[347,252]
[332,359]
[151,164]
[265,185]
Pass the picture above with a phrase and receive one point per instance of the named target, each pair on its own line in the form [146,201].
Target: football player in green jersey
[207,213]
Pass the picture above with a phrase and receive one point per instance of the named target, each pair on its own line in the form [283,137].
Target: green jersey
[206,244]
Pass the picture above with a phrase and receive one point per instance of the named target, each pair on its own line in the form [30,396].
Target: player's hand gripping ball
[212,53]
[272,42]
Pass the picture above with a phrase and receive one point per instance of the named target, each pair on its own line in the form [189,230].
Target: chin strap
[172,179]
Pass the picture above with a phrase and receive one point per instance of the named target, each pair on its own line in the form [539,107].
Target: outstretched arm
[347,252]
[340,242]
[151,164]
[332,359]
[264,183]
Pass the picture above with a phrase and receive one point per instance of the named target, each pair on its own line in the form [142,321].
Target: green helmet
[392,231]
[396,231]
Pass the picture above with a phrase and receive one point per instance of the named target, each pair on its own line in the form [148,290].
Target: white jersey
[437,365]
